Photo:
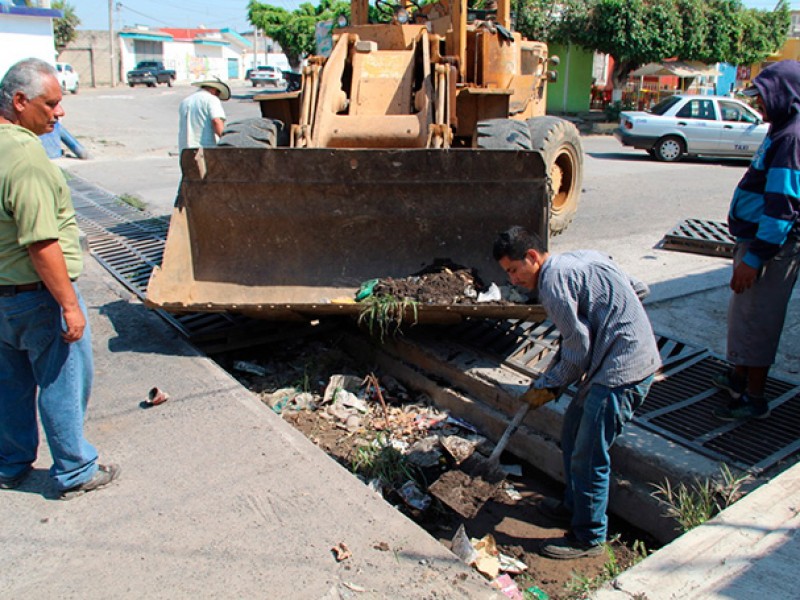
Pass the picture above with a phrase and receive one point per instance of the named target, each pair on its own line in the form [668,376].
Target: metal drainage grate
[129,243]
[701,237]
[529,346]
[680,407]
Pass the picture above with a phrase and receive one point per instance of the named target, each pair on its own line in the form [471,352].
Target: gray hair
[26,76]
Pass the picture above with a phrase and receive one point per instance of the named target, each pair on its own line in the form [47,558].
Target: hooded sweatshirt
[766,203]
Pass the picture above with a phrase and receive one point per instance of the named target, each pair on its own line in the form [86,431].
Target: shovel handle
[512,427]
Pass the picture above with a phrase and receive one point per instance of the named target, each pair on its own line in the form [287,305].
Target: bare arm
[218,125]
[48,260]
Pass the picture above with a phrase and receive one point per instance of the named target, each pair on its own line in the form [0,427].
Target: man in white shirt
[202,117]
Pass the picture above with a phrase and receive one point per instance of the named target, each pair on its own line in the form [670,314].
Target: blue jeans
[592,422]
[33,355]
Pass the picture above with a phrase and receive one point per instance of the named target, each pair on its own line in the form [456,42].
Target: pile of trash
[397,442]
[380,416]
[484,555]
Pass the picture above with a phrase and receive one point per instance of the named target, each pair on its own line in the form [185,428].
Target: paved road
[629,202]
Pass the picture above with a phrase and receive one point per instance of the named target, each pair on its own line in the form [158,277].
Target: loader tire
[560,144]
[503,134]
[254,133]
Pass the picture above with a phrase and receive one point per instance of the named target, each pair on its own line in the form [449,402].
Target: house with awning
[653,81]
[194,54]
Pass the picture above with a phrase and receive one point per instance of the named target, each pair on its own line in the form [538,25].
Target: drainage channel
[129,243]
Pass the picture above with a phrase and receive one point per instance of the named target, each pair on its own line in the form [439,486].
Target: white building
[26,31]
[194,54]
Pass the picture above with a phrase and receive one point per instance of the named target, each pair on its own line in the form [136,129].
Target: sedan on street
[266,75]
[688,125]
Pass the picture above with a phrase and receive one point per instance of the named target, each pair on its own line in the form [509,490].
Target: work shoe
[555,511]
[12,483]
[746,407]
[569,547]
[730,382]
[105,474]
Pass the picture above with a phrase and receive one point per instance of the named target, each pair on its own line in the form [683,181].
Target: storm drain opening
[270,358]
[700,236]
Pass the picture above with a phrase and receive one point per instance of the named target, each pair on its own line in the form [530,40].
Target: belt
[13,290]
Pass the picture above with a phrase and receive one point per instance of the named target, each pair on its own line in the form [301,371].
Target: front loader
[414,140]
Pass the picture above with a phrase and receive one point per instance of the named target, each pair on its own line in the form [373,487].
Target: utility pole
[111,42]
[255,47]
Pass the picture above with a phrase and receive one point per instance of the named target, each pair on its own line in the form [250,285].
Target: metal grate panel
[129,242]
[701,237]
[763,443]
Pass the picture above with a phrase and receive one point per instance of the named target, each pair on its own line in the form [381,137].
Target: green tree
[636,32]
[64,28]
[538,19]
[294,31]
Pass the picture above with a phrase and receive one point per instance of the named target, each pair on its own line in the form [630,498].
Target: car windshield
[664,105]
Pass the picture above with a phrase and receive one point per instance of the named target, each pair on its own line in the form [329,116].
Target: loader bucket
[292,233]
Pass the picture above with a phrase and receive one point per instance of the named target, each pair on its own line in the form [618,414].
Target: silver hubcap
[670,150]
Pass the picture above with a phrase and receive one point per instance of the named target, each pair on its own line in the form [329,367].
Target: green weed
[380,460]
[694,504]
[582,586]
[303,382]
[384,315]
[133,201]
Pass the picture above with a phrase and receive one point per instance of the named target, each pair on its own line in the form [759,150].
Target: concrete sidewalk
[218,496]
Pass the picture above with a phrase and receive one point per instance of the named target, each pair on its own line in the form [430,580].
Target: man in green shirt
[45,343]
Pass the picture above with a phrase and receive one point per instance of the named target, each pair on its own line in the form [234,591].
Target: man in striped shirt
[608,349]
[763,218]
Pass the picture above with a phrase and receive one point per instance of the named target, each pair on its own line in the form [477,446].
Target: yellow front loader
[414,140]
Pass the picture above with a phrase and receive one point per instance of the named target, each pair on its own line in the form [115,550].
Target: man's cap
[217,84]
[751,91]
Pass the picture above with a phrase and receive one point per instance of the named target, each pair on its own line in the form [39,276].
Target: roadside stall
[655,81]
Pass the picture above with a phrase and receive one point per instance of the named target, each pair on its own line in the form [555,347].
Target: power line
[141,14]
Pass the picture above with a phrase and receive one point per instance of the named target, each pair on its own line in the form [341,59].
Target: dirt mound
[440,283]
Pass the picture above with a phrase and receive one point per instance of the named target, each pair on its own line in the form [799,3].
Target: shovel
[467,489]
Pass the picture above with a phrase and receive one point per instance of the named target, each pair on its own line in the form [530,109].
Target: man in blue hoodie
[764,219]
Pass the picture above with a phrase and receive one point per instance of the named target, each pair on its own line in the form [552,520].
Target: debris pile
[441,283]
[398,443]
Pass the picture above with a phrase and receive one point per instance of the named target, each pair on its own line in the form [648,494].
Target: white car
[266,75]
[67,77]
[685,125]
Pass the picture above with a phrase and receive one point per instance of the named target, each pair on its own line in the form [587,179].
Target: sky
[213,14]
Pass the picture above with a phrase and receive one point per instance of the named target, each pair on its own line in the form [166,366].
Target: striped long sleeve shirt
[606,334]
[765,209]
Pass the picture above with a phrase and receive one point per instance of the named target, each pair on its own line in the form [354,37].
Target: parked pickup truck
[149,73]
